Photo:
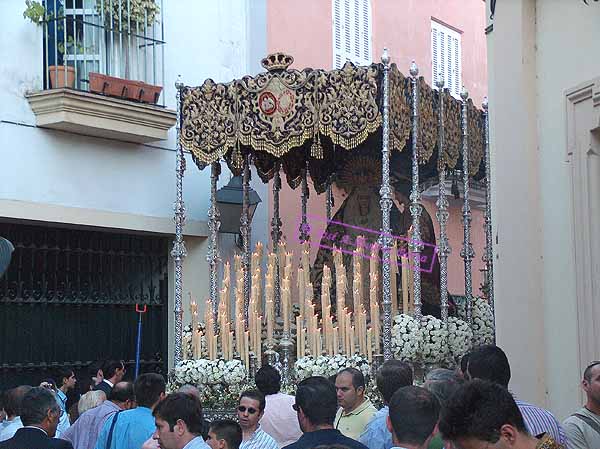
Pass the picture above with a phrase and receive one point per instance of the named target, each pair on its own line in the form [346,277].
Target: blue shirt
[310,440]
[538,421]
[132,429]
[197,443]
[63,423]
[376,434]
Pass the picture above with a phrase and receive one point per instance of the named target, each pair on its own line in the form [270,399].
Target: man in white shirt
[250,410]
[279,419]
[12,406]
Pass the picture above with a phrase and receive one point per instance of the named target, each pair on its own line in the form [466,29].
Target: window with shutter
[446,57]
[351,32]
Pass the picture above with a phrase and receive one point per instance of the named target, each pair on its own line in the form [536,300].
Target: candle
[301,290]
[374,268]
[305,260]
[363,332]
[281,258]
[351,339]
[285,299]
[270,312]
[348,323]
[246,349]
[239,331]
[336,344]
[186,341]
[299,341]
[230,346]
[376,325]
[405,275]
[393,274]
[369,346]
[319,346]
[258,344]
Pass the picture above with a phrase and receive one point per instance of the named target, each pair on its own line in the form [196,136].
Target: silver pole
[489,253]
[245,230]
[179,252]
[385,202]
[467,252]
[276,237]
[214,223]
[442,213]
[329,201]
[415,196]
[304,229]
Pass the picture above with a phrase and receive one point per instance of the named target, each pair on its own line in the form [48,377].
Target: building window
[105,36]
[351,32]
[446,55]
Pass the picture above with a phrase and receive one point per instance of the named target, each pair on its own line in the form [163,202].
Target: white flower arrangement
[220,381]
[209,372]
[407,338]
[460,337]
[483,322]
[327,366]
[435,340]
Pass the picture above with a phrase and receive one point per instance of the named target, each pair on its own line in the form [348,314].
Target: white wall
[537,51]
[222,40]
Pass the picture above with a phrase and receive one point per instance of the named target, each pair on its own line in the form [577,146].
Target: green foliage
[35,11]
[143,13]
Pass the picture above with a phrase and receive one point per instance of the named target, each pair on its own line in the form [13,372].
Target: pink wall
[304,30]
[406,31]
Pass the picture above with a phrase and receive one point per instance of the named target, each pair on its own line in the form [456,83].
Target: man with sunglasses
[583,427]
[249,412]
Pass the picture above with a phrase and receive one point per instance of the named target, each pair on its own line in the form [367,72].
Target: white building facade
[57,178]
[544,90]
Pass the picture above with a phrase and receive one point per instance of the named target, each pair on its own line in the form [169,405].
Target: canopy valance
[292,119]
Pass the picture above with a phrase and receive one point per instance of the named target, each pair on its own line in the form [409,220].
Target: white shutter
[338,52]
[446,57]
[351,32]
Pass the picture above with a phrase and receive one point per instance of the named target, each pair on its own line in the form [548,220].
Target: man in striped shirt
[489,362]
[249,411]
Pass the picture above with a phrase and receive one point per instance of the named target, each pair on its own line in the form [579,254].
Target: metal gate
[69,296]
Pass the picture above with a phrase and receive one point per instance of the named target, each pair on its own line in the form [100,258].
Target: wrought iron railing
[60,266]
[119,38]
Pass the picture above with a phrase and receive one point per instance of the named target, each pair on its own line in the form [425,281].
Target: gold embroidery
[308,112]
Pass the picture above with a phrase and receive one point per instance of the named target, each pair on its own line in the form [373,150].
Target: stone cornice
[97,115]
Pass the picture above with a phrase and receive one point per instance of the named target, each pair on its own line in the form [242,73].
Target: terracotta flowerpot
[57,76]
[124,88]
[109,85]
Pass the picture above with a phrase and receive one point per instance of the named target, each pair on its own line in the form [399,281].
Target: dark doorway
[69,296]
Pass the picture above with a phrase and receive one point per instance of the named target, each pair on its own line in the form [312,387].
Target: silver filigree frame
[179,252]
[385,202]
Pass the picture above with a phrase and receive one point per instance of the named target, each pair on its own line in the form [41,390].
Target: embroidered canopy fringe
[291,117]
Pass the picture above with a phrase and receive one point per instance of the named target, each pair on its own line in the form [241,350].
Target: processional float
[302,123]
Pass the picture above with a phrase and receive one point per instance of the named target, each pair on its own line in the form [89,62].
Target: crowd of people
[467,408]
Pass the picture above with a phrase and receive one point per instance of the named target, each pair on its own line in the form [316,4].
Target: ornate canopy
[312,118]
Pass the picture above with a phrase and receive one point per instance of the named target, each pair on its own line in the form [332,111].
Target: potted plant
[60,75]
[139,14]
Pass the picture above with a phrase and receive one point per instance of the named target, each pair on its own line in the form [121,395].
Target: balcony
[103,69]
